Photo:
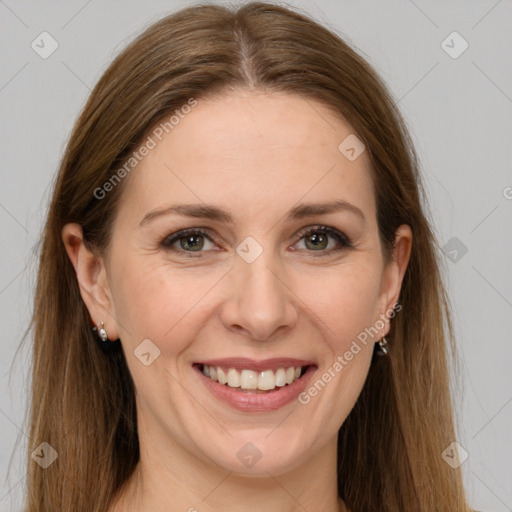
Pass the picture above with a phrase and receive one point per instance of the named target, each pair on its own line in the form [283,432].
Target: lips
[250,386]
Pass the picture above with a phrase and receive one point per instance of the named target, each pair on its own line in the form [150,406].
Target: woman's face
[246,288]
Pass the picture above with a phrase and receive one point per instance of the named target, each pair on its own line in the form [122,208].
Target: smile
[255,386]
[247,380]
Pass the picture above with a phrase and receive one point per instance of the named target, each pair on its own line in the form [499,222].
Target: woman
[239,304]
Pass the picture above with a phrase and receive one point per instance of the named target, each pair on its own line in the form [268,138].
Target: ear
[92,279]
[394,272]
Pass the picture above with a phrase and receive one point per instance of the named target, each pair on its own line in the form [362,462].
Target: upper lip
[243,363]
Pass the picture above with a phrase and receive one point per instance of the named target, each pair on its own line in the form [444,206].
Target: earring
[102,332]
[383,344]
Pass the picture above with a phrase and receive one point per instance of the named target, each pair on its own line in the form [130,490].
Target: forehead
[251,151]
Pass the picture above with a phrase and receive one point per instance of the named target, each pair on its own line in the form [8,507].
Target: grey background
[459,111]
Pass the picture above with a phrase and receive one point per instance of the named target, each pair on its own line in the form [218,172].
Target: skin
[255,155]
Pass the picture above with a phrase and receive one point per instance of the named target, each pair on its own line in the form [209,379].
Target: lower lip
[256,402]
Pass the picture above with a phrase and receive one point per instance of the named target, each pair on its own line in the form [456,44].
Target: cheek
[160,303]
[345,298]
[346,301]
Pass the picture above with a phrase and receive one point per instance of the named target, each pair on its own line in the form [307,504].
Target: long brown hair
[83,403]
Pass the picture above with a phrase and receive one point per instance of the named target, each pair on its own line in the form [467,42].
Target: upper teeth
[250,379]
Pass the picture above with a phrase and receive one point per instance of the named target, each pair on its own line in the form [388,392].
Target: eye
[316,239]
[193,242]
[189,241]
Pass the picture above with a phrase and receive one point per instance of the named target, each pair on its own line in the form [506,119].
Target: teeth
[281,377]
[221,375]
[233,378]
[250,379]
[266,380]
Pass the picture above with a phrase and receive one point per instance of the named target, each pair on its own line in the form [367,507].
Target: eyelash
[343,241]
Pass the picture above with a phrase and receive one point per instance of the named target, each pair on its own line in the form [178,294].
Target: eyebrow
[204,211]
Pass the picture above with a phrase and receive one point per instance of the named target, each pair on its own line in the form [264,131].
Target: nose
[259,301]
